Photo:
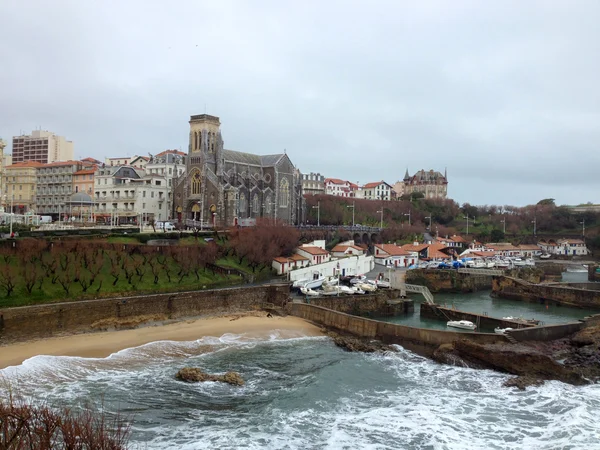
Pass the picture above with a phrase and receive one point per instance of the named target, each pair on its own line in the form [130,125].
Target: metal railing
[495,272]
[424,290]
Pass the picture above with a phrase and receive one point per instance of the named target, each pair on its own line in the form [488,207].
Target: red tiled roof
[572,241]
[281,259]
[433,252]
[297,257]
[335,181]
[529,247]
[458,239]
[372,185]
[414,248]
[483,254]
[343,248]
[86,171]
[24,164]
[314,250]
[392,249]
[62,163]
[172,152]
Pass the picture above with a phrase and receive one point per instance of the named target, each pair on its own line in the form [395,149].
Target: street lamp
[534,222]
[503,222]
[408,217]
[12,199]
[318,208]
[583,229]
[352,206]
[381,223]
[429,217]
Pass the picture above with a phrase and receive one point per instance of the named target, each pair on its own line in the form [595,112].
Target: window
[20,187]
[152,194]
[255,205]
[144,194]
[284,193]
[268,204]
[242,205]
[143,206]
[196,183]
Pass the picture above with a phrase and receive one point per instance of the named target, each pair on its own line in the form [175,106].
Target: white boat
[545,256]
[329,293]
[499,330]
[357,290]
[358,279]
[463,324]
[331,281]
[518,262]
[383,283]
[530,262]
[509,318]
[368,287]
[345,290]
[490,264]
[300,283]
[314,283]
[502,264]
[308,291]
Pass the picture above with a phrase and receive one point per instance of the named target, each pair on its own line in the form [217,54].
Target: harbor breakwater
[512,288]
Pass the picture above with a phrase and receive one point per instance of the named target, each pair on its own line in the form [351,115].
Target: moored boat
[463,324]
[308,291]
[499,330]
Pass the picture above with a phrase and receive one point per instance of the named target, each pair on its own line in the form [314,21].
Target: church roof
[251,158]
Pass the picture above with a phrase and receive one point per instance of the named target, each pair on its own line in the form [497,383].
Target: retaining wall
[31,322]
[365,305]
[546,332]
[390,333]
[440,280]
[506,287]
[440,313]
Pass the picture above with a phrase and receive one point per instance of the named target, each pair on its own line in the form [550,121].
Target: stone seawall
[437,312]
[511,288]
[384,302]
[439,280]
[546,332]
[30,322]
[427,340]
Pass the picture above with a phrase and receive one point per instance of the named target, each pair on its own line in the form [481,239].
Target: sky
[504,94]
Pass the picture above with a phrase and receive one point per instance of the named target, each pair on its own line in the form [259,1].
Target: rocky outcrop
[194,374]
[530,364]
[530,274]
[448,280]
[357,344]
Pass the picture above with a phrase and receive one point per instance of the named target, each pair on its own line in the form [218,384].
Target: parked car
[165,226]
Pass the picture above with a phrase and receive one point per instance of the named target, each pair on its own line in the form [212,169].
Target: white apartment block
[128,194]
[340,188]
[41,146]
[313,184]
[169,164]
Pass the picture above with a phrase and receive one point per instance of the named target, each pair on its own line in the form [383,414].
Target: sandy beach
[103,344]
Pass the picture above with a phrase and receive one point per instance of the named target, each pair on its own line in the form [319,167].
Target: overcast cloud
[504,94]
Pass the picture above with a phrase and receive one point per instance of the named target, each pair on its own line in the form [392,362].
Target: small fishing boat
[463,324]
[358,279]
[357,290]
[367,287]
[499,330]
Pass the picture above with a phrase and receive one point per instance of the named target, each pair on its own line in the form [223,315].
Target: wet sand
[103,344]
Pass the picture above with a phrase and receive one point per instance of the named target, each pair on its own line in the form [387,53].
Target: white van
[166,226]
[45,219]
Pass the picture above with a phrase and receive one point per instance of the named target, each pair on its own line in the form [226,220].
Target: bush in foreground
[24,426]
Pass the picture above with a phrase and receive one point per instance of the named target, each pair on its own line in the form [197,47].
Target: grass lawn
[233,262]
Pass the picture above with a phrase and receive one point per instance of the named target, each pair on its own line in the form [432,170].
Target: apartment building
[41,146]
[126,194]
[313,184]
[55,186]
[169,164]
[20,181]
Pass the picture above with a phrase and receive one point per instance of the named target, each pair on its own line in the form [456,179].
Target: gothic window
[268,204]
[195,141]
[242,204]
[284,193]
[212,143]
[255,205]
[196,183]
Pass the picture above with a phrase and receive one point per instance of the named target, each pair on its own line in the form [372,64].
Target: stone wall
[377,304]
[31,322]
[426,339]
[546,332]
[445,314]
[438,280]
[511,288]
[592,274]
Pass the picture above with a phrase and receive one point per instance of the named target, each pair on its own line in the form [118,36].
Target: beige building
[431,184]
[41,146]
[20,187]
[313,184]
[55,186]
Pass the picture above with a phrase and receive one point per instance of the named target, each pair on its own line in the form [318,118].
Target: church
[225,188]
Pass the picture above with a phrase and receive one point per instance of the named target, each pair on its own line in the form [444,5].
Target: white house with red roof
[283,264]
[570,247]
[315,255]
[346,249]
[340,188]
[390,255]
[378,190]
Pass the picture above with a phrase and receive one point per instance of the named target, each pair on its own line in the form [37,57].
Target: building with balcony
[55,186]
[124,194]
[340,188]
[41,146]
[171,165]
[20,181]
[378,190]
[313,184]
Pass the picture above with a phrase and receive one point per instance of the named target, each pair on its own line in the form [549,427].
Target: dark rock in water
[194,374]
[357,344]
[523,382]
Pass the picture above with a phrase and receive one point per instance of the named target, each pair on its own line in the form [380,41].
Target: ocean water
[305,393]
